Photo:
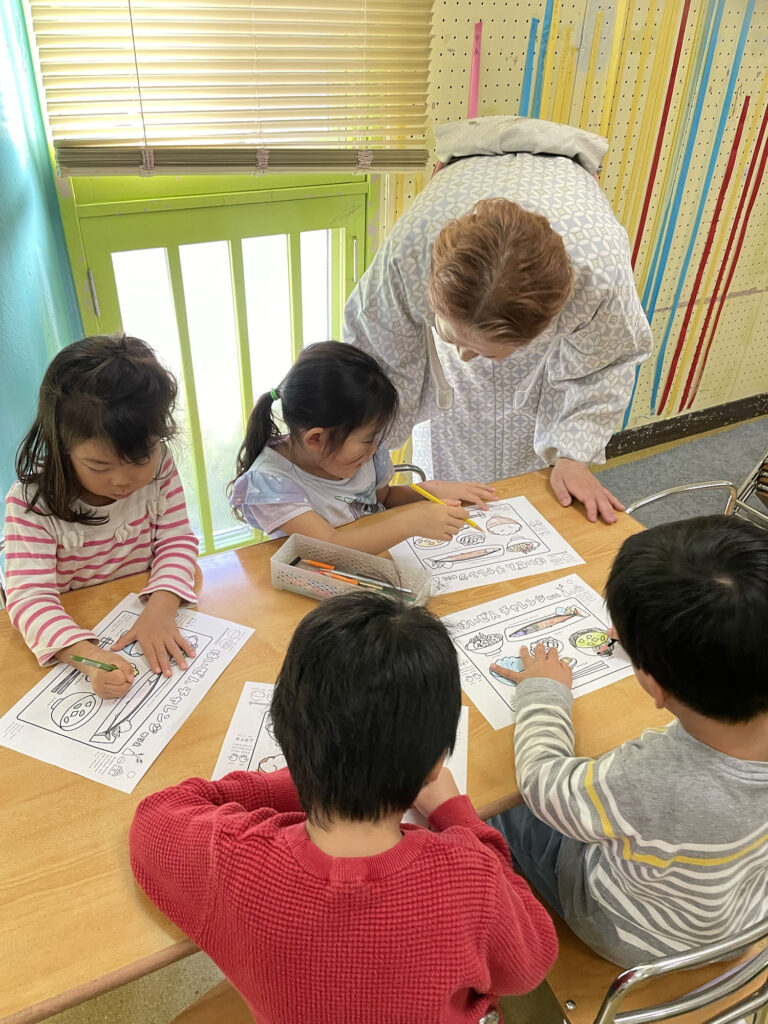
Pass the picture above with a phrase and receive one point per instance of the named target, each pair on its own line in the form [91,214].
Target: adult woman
[541,289]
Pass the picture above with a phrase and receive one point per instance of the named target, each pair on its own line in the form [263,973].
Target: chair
[696,987]
[738,495]
[408,467]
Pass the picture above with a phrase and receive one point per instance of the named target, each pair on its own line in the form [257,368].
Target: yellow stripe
[629,142]
[714,256]
[619,31]
[558,114]
[590,82]
[647,858]
[549,63]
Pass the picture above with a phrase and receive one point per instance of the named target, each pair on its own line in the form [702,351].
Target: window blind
[216,85]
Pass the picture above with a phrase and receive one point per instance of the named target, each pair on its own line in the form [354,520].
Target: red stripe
[25,522]
[47,625]
[78,635]
[172,526]
[694,378]
[137,522]
[109,561]
[174,492]
[107,575]
[662,126]
[47,539]
[704,257]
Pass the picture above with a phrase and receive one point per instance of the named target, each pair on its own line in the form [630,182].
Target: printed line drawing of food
[75,710]
[485,643]
[595,641]
[514,663]
[562,614]
[428,542]
[503,525]
[121,720]
[470,540]
[273,763]
[523,547]
[462,558]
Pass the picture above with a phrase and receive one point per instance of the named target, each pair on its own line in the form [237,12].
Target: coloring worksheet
[251,746]
[565,614]
[63,722]
[514,541]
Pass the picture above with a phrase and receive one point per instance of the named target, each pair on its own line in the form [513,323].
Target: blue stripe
[525,97]
[677,200]
[542,55]
[705,189]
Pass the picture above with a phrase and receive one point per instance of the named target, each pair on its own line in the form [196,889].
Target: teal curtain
[38,306]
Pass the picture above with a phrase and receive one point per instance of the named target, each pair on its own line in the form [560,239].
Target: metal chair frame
[738,495]
[409,467]
[727,983]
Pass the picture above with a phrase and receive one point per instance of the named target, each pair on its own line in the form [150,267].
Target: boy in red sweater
[304,886]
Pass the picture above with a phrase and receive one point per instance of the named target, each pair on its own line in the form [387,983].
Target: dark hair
[366,703]
[500,271]
[107,388]
[331,385]
[689,601]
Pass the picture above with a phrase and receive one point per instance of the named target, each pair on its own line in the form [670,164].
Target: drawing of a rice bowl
[462,558]
[485,643]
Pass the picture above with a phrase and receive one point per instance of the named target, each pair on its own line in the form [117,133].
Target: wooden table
[74,923]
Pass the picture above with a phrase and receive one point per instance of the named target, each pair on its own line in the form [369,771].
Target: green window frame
[104,216]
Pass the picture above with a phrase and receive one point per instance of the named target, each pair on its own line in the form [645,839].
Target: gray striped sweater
[666,838]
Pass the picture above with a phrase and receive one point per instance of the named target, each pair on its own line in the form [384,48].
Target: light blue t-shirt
[274,491]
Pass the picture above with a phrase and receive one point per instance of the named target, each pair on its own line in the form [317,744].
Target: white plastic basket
[314,584]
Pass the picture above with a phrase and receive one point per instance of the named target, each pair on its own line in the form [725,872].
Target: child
[305,887]
[329,470]
[98,497]
[661,845]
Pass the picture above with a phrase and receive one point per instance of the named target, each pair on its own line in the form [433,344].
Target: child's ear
[656,692]
[435,771]
[314,438]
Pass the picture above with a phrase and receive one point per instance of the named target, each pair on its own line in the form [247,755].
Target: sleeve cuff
[456,811]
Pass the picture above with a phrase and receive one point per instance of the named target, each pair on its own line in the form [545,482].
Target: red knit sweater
[429,931]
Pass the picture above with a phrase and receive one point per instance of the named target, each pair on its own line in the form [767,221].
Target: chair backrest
[409,467]
[733,981]
[755,483]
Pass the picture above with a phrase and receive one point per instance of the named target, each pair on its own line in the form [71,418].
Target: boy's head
[366,703]
[689,602]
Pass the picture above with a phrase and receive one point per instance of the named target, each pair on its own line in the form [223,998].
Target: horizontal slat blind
[171,85]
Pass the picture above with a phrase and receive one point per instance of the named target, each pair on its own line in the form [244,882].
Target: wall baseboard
[691,423]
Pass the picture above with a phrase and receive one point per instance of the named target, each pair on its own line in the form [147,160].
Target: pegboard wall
[680,90]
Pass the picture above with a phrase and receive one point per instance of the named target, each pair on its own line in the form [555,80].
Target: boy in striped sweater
[662,844]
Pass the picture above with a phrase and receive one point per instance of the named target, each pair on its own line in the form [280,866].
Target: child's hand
[461,490]
[543,664]
[158,634]
[438,522]
[435,793]
[105,684]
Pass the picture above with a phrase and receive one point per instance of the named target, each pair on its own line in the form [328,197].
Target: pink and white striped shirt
[45,557]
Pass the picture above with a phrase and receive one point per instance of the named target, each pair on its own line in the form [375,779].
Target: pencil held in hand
[439,501]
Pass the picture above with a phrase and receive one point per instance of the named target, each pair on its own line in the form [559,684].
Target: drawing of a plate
[72,711]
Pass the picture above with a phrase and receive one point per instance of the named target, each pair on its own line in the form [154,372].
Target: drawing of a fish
[561,615]
[462,557]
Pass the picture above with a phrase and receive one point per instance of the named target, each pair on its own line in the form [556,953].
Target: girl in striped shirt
[98,497]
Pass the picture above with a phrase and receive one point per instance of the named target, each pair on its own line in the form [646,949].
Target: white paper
[63,722]
[517,541]
[251,746]
[566,613]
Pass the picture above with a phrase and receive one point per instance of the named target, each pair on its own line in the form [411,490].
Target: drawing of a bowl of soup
[72,711]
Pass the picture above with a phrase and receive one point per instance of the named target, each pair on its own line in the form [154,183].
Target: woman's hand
[461,490]
[544,663]
[570,479]
[158,634]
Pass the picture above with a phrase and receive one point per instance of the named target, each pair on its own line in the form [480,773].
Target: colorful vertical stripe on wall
[680,90]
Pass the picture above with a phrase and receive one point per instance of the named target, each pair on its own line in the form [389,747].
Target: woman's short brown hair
[500,271]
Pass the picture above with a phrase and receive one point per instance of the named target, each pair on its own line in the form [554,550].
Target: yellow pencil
[431,497]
